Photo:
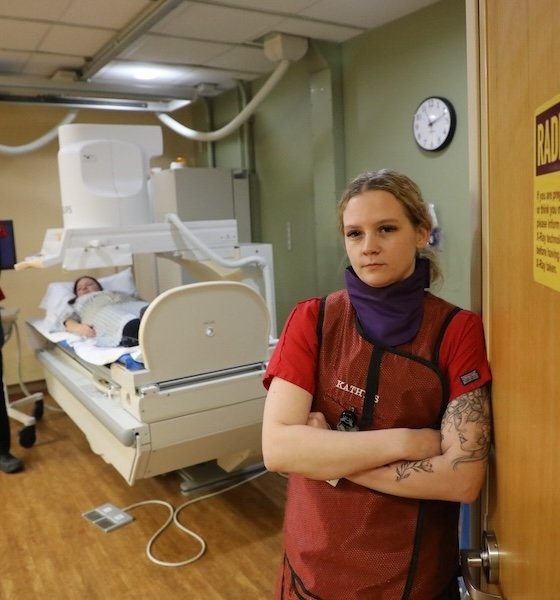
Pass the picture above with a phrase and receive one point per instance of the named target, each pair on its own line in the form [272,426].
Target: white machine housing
[104,172]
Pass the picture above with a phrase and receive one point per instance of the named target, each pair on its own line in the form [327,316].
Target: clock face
[434,124]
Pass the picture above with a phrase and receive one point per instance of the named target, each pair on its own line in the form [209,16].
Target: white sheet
[86,348]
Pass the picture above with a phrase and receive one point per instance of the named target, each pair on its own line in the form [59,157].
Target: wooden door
[520,42]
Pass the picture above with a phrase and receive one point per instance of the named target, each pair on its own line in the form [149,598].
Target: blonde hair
[406,192]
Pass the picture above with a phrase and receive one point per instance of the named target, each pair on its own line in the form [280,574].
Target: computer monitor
[7,245]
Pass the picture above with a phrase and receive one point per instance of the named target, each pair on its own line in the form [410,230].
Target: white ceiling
[81,46]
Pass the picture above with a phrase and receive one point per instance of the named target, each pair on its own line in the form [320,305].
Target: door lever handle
[487,559]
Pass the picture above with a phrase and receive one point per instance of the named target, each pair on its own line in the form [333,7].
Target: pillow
[55,300]
[123,281]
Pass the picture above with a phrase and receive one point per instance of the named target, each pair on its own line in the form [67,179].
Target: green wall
[387,73]
[343,109]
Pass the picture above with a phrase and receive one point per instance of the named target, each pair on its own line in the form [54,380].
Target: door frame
[477,125]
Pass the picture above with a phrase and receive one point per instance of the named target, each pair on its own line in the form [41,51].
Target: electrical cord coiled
[174,518]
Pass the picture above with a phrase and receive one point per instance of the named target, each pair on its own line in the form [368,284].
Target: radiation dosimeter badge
[107,517]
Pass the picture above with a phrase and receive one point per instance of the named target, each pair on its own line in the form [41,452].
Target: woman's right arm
[73,326]
[291,444]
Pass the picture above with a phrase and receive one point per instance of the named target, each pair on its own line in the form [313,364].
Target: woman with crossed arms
[378,408]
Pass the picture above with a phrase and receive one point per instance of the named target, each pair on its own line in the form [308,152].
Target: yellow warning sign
[546,200]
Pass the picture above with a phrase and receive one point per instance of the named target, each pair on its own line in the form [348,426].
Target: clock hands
[435,120]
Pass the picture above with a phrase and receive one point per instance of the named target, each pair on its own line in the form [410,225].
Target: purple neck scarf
[390,315]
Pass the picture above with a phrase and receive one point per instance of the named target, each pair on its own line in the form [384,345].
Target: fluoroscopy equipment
[197,396]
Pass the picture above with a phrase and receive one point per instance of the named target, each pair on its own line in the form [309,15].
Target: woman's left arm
[458,473]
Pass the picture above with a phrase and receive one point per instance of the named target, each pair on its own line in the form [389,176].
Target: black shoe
[10,464]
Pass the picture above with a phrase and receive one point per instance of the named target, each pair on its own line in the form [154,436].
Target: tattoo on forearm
[404,469]
[468,416]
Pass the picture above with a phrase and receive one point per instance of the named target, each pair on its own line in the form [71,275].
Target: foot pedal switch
[107,517]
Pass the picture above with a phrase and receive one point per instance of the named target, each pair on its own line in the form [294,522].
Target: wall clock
[434,123]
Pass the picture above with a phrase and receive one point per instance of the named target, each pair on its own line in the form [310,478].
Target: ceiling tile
[363,13]
[279,6]
[159,48]
[112,14]
[47,10]
[75,41]
[318,30]
[47,65]
[217,23]
[21,35]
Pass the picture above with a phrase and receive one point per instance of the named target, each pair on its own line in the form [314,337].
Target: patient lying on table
[111,317]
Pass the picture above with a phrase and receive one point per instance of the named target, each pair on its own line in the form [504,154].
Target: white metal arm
[115,246]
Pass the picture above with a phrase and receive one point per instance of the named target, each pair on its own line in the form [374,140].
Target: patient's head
[86,285]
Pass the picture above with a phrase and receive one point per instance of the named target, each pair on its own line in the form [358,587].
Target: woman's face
[86,285]
[380,240]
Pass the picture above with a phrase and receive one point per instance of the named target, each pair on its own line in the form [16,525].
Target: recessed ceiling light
[145,73]
[123,71]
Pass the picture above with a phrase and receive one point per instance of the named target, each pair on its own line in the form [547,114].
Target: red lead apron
[348,542]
